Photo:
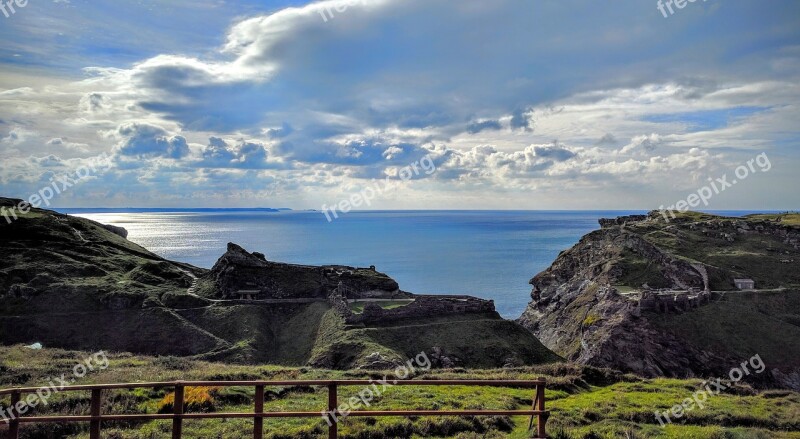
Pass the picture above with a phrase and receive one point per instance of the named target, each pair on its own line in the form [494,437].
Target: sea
[488,254]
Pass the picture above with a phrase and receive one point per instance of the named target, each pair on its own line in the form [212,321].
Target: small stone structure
[745,284]
[672,301]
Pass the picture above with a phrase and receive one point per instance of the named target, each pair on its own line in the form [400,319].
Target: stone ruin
[669,301]
[423,306]
[621,220]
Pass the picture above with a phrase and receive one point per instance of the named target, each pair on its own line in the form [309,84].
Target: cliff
[658,298]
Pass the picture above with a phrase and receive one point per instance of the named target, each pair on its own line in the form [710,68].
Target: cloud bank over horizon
[521,105]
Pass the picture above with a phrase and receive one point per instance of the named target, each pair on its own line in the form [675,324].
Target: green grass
[638,271]
[743,324]
[789,218]
[583,401]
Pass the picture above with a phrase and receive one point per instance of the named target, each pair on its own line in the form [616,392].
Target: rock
[440,360]
[22,291]
[116,230]
[239,271]
[121,300]
[376,361]
[152,302]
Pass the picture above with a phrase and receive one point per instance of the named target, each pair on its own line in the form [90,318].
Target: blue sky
[573,104]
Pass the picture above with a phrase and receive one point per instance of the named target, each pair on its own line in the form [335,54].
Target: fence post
[534,405]
[13,424]
[94,425]
[258,422]
[333,429]
[177,420]
[541,419]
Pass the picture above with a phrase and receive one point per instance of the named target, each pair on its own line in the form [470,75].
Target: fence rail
[96,417]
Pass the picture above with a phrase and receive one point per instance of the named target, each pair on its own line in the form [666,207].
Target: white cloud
[319,106]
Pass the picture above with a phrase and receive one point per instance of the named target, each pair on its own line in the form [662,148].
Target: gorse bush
[195,399]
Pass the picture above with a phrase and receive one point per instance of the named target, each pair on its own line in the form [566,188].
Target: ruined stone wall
[423,307]
[339,303]
[665,303]
[610,222]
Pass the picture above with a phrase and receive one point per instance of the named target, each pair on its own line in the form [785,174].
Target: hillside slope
[658,299]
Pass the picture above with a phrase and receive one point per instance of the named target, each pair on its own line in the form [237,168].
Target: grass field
[585,402]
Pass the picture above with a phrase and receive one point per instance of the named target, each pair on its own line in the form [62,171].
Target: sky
[518,104]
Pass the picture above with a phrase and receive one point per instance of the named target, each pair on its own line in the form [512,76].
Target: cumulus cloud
[144,140]
[241,154]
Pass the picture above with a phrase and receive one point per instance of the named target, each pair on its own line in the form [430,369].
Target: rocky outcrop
[239,272]
[612,256]
[120,231]
[578,311]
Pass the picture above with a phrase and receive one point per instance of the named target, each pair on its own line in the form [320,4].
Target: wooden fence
[96,417]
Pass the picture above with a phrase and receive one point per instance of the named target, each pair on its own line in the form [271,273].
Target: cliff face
[595,304]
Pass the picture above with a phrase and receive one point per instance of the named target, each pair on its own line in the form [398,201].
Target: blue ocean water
[489,254]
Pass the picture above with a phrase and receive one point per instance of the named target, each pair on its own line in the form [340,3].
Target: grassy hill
[475,340]
[586,402]
[730,247]
[743,323]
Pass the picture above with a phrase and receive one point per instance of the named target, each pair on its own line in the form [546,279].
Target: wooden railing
[96,417]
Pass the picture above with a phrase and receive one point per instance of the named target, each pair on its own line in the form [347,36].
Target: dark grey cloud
[554,152]
[477,127]
[607,139]
[521,120]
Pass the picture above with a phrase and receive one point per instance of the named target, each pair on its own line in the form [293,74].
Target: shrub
[195,399]
[591,320]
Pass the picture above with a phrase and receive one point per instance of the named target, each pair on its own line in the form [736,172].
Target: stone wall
[621,220]
[423,307]
[671,302]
